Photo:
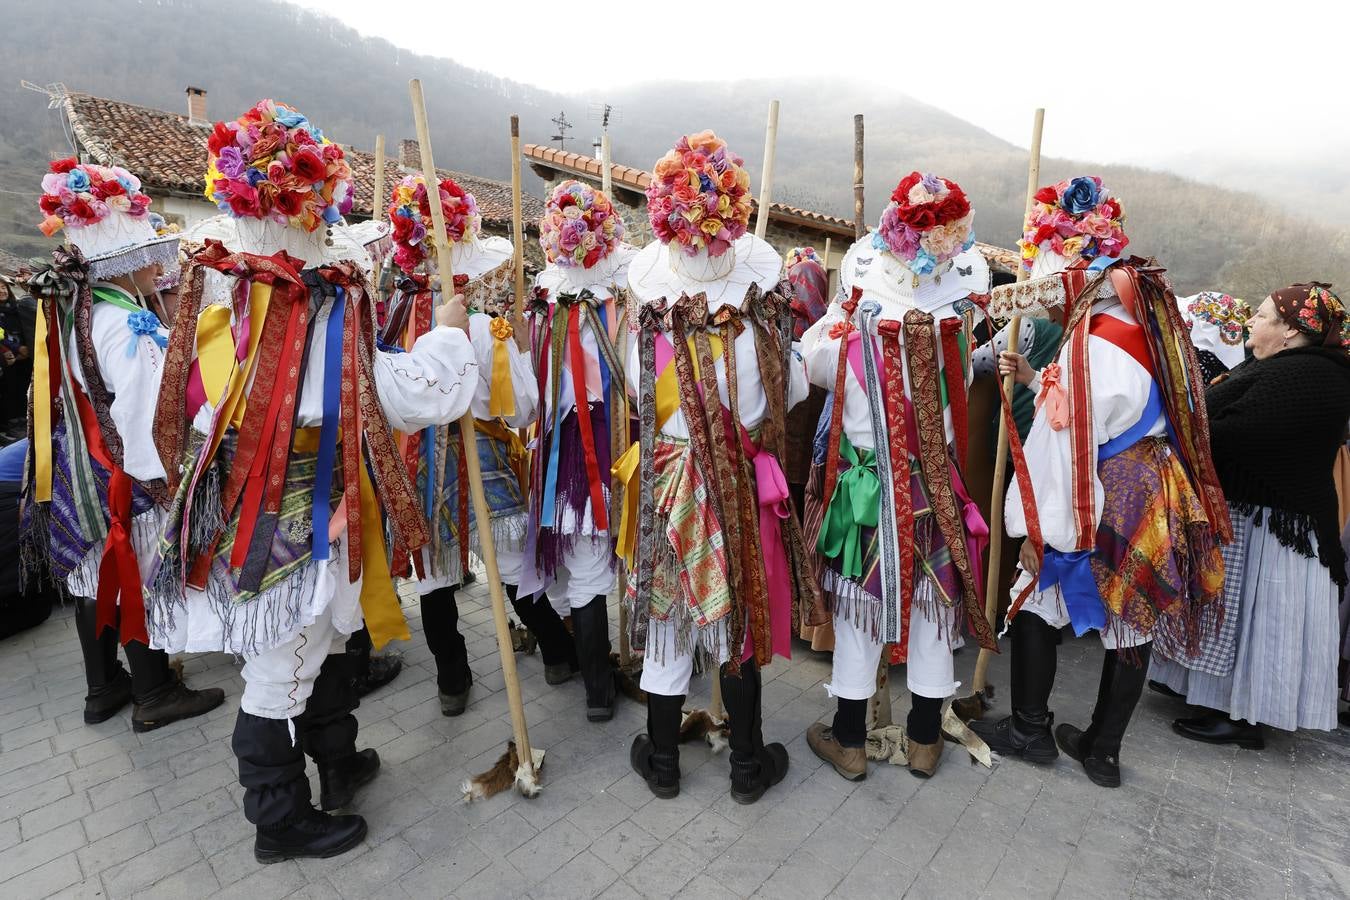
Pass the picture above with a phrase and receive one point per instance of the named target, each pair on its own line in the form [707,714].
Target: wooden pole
[991,587]
[517,223]
[606,161]
[766,174]
[859,217]
[487,549]
[377,202]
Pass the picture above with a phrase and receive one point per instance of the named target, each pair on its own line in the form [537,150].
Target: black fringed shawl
[1275,427]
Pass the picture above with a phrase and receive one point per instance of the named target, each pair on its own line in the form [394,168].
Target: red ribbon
[954,372]
[578,365]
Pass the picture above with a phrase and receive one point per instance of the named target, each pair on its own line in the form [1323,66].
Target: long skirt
[1285,640]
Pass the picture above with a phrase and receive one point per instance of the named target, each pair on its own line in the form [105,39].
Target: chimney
[197,105]
[599,151]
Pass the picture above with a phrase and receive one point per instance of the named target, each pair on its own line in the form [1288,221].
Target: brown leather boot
[924,758]
[849,762]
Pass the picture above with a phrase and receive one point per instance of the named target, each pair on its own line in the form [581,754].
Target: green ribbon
[856,504]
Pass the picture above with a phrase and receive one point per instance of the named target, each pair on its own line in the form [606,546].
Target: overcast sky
[1144,82]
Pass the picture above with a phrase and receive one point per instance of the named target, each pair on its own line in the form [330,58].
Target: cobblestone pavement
[97,811]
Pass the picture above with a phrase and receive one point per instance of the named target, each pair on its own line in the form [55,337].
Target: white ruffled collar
[889,281]
[479,255]
[612,271]
[654,280]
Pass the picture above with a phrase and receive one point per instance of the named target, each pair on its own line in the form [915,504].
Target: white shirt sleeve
[820,352]
[1120,391]
[798,387]
[132,366]
[523,384]
[431,384]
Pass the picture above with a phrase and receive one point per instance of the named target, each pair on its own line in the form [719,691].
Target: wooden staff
[766,174]
[377,203]
[974,706]
[859,223]
[487,549]
[517,222]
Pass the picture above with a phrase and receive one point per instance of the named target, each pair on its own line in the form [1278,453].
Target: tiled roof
[168,153]
[164,149]
[638,179]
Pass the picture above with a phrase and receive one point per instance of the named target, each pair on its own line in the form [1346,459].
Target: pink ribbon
[774,507]
[1053,396]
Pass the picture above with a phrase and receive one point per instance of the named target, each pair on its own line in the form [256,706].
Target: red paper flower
[62,166]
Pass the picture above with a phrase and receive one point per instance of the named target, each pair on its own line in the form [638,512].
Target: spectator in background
[1277,423]
[18,315]
[23,605]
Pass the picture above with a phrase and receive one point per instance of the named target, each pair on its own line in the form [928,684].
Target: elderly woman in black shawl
[1277,422]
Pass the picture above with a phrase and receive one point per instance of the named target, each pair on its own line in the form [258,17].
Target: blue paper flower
[144,323]
[331,215]
[290,118]
[924,263]
[1082,196]
[77,180]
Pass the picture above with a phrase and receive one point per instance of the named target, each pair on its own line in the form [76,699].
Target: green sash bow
[856,504]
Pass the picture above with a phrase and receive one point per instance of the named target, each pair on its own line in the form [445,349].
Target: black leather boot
[1098,747]
[369,672]
[1026,733]
[312,834]
[109,683]
[555,644]
[656,755]
[161,696]
[327,732]
[440,624]
[590,626]
[755,766]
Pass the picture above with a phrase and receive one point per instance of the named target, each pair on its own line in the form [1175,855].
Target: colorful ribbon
[855,505]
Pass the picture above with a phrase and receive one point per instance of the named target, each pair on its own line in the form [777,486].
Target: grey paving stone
[584,875]
[54,814]
[145,870]
[368,873]
[29,855]
[43,880]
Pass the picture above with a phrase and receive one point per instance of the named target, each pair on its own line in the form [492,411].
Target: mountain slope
[1208,237]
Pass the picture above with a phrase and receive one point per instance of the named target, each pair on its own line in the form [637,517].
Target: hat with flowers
[699,196]
[580,226]
[801,254]
[1074,219]
[272,164]
[104,214]
[410,217]
[926,224]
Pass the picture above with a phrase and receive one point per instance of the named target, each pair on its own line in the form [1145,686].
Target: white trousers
[510,563]
[668,666]
[278,682]
[584,573]
[929,671]
[1049,605]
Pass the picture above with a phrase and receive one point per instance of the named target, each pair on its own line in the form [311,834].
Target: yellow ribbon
[379,603]
[215,351]
[625,469]
[501,397]
[42,412]
[233,405]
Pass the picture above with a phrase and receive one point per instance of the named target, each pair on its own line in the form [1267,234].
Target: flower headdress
[1224,312]
[78,195]
[926,223]
[272,164]
[1074,219]
[579,227]
[410,216]
[801,254]
[699,197]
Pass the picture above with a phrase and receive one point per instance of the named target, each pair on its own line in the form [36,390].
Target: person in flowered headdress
[1277,422]
[1218,324]
[95,477]
[579,320]
[275,423]
[504,399]
[1124,512]
[719,554]
[900,566]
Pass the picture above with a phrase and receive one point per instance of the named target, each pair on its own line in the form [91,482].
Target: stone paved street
[97,811]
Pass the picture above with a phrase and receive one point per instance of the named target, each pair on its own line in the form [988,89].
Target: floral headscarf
[1314,310]
[810,290]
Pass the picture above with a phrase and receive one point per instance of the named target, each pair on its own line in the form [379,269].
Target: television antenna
[560,122]
[604,113]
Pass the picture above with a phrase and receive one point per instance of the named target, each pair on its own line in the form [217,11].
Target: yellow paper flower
[501,329]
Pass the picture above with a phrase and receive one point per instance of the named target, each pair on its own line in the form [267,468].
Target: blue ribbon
[555,445]
[1073,573]
[1138,431]
[328,430]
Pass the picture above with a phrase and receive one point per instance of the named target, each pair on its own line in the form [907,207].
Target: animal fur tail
[628,680]
[699,725]
[505,772]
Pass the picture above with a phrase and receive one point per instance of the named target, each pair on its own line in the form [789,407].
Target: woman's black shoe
[1220,729]
[1158,687]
